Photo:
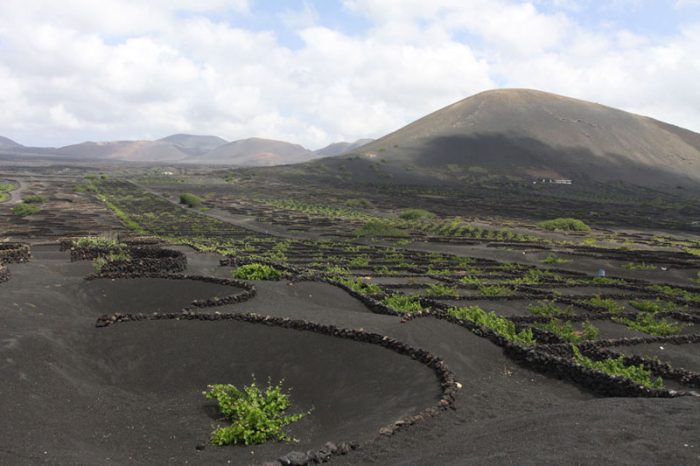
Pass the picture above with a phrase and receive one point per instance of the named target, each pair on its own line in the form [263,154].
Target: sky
[316,72]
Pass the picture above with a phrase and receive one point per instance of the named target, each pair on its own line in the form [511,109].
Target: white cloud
[130,69]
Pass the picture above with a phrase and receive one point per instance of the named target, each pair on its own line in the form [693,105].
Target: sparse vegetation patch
[616,367]
[491,320]
[24,210]
[564,224]
[190,200]
[256,414]
[380,229]
[257,271]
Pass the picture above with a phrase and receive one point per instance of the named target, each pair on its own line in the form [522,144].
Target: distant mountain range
[5,142]
[187,148]
[509,133]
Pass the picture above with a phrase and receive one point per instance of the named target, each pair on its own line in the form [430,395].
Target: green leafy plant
[99,262]
[470,280]
[491,320]
[607,281]
[437,289]
[639,266]
[256,414]
[495,290]
[257,271]
[649,324]
[102,242]
[190,200]
[33,199]
[675,292]
[362,287]
[567,331]
[415,214]
[548,309]
[552,259]
[605,303]
[654,305]
[359,202]
[337,270]
[5,188]
[616,367]
[564,224]
[24,210]
[380,229]
[403,304]
[359,261]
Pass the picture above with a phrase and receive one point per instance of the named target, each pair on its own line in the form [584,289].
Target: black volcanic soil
[130,393]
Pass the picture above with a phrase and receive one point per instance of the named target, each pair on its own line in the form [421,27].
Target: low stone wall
[148,259]
[556,360]
[85,254]
[249,291]
[13,253]
[448,384]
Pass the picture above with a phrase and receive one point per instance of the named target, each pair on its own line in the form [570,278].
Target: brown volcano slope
[534,134]
[133,151]
[258,152]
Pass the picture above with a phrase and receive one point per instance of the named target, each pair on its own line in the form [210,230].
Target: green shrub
[359,261]
[564,224]
[403,304]
[33,199]
[639,266]
[607,281]
[337,270]
[257,271]
[495,290]
[190,200]
[491,320]
[359,286]
[653,306]
[99,262]
[675,292]
[360,202]
[256,415]
[470,280]
[91,242]
[24,210]
[380,229]
[568,332]
[548,309]
[605,303]
[649,324]
[552,259]
[437,289]
[616,367]
[416,214]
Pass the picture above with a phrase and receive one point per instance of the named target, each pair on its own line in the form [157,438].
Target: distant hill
[194,144]
[133,151]
[339,148]
[258,152]
[530,134]
[183,148]
[6,142]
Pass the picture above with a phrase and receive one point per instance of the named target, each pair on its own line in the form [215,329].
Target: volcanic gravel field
[108,366]
[73,393]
